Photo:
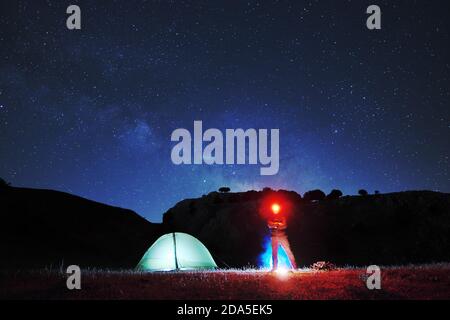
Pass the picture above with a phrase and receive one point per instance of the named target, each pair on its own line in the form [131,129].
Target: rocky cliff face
[397,228]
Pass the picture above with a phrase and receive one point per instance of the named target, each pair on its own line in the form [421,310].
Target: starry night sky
[90,112]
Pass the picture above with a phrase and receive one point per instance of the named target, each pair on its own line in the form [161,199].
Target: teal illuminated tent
[176,251]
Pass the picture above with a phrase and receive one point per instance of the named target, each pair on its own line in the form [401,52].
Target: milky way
[91,111]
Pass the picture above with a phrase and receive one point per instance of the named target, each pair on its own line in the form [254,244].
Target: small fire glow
[265,259]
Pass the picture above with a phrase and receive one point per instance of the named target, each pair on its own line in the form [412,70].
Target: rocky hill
[397,228]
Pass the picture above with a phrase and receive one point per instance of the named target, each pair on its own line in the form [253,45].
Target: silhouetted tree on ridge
[363,192]
[314,195]
[335,194]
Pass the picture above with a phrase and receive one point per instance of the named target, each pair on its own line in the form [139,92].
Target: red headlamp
[276,208]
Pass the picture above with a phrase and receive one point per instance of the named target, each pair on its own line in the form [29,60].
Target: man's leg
[274,252]
[287,248]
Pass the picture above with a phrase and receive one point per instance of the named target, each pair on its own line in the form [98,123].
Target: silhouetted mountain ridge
[46,228]
[43,228]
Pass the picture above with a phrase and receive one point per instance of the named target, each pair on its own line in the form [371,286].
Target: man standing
[277,224]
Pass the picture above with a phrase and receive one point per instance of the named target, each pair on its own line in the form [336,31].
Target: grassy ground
[411,282]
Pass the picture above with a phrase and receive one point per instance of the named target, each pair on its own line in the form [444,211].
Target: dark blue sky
[90,112]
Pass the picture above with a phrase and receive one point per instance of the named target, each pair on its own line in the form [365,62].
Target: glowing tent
[176,251]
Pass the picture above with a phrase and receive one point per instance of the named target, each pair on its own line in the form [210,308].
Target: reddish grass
[426,282]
